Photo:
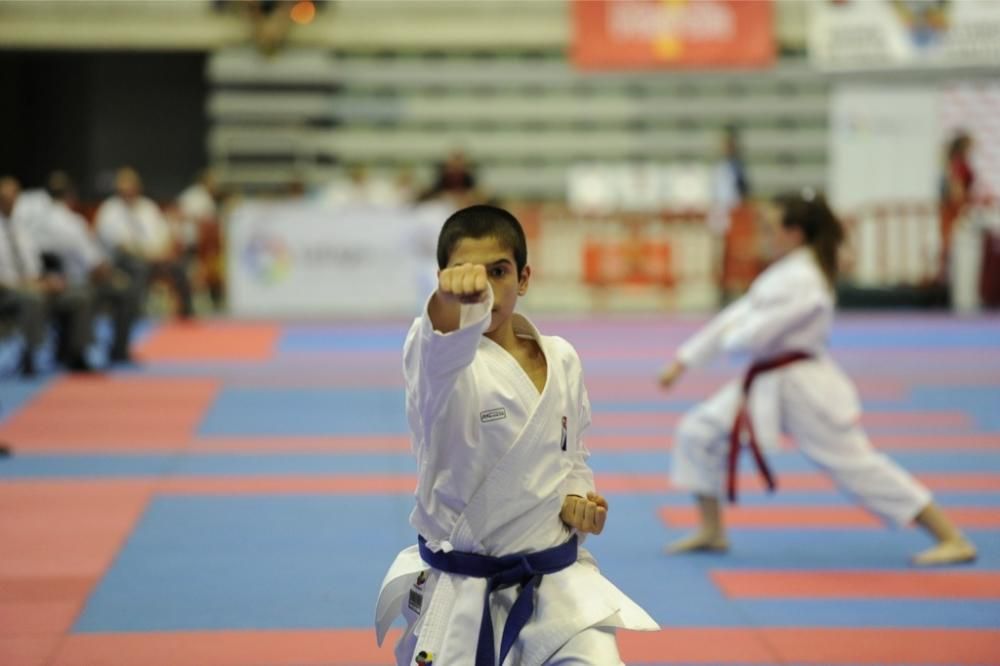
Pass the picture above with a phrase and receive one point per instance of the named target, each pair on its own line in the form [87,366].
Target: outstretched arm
[443,342]
[706,343]
[768,322]
[457,286]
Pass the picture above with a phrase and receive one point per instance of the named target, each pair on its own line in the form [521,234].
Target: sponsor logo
[267,258]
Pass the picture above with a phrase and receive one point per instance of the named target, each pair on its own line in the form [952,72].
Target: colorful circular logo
[267,258]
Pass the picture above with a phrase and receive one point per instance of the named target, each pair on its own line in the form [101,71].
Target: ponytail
[821,229]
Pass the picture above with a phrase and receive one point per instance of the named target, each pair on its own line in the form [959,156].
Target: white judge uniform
[789,307]
[492,476]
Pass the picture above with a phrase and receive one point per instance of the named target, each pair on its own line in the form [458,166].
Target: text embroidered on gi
[493,415]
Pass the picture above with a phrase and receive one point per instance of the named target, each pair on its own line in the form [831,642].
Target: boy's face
[501,271]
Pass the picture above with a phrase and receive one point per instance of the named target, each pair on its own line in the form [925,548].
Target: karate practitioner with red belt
[792,386]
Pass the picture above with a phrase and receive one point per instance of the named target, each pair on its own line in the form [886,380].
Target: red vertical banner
[672,34]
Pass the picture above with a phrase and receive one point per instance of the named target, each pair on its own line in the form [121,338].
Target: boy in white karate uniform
[504,495]
[792,385]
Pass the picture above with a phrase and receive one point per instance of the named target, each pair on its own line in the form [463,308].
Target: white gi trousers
[838,447]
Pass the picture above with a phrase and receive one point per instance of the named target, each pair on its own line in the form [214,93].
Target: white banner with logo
[846,35]
[885,145]
[885,151]
[301,259]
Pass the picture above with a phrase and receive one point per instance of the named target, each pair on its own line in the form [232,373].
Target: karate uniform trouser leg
[701,443]
[846,454]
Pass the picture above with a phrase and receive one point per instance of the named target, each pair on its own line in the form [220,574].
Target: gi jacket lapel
[502,497]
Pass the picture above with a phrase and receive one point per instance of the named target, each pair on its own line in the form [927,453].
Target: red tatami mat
[258,485]
[345,647]
[665,441]
[858,584]
[882,419]
[811,481]
[913,647]
[631,389]
[800,481]
[27,650]
[54,534]
[887,647]
[211,341]
[56,541]
[356,647]
[112,412]
[294,443]
[819,517]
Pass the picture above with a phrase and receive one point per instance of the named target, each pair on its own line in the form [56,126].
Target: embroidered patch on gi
[425,659]
[493,415]
[416,601]
[563,445]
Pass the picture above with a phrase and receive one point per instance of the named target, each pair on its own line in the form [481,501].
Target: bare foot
[955,551]
[700,542]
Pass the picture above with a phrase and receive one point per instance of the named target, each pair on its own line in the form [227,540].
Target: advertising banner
[885,144]
[856,35]
[298,259]
[650,34]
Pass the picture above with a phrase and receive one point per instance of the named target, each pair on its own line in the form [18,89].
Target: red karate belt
[743,423]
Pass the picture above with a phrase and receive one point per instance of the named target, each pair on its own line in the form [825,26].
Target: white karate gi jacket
[492,475]
[789,307]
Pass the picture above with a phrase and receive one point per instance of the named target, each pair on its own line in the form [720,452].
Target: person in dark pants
[39,298]
[133,231]
[65,235]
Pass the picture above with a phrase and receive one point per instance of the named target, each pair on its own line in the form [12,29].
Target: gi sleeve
[767,322]
[432,361]
[707,343]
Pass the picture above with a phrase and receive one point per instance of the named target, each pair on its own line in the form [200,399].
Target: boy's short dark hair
[483,222]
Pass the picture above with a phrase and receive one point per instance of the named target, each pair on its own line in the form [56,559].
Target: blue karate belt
[524,569]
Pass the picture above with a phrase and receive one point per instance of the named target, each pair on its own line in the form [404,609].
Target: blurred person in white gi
[793,385]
